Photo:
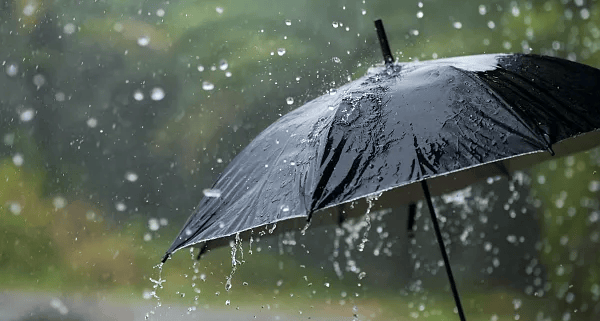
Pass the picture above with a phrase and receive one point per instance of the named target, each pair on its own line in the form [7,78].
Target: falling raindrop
[160,12]
[228,74]
[457,25]
[131,176]
[207,85]
[420,14]
[15,208]
[59,96]
[335,24]
[59,202]
[288,22]
[200,68]
[153,224]
[482,10]
[364,12]
[143,41]
[289,100]
[39,80]
[215,193]
[27,115]
[29,9]
[223,65]
[120,206]
[69,28]
[219,10]
[138,95]
[157,93]
[281,51]
[92,122]
[12,70]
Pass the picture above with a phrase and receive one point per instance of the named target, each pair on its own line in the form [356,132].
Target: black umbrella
[448,121]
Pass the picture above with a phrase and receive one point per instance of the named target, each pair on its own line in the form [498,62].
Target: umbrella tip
[165,258]
[550,150]
[383,42]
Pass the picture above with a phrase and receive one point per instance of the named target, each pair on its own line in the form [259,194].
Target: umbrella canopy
[400,125]
[449,121]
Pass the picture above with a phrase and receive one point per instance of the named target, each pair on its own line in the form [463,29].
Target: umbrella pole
[440,241]
[383,42]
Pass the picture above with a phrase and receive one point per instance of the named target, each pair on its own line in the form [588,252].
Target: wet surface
[394,127]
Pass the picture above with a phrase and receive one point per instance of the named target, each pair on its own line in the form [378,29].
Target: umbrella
[433,126]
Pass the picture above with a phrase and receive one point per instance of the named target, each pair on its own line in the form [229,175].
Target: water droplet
[285,208]
[60,96]
[59,202]
[227,302]
[211,192]
[228,74]
[457,25]
[92,122]
[208,85]
[281,51]
[153,224]
[138,95]
[223,65]
[363,11]
[157,93]
[200,68]
[420,14]
[131,176]
[12,70]
[482,10]
[219,10]
[337,60]
[29,9]
[288,22]
[362,275]
[39,80]
[27,115]
[143,41]
[69,28]
[335,24]
[160,12]
[120,206]
[18,159]
[289,100]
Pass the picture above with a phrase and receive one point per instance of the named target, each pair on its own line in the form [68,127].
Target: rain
[118,118]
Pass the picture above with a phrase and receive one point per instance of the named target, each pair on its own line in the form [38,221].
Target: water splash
[235,246]
[157,284]
[370,200]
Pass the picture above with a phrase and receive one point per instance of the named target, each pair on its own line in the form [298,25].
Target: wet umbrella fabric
[401,124]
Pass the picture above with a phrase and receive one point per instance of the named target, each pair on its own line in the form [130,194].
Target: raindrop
[515,11]
[594,186]
[420,14]
[482,10]
[160,12]
[157,93]
[289,100]
[92,122]
[207,85]
[29,9]
[15,208]
[364,12]
[285,208]
[227,302]
[228,74]
[491,24]
[59,96]
[200,68]
[457,25]
[288,22]
[59,202]
[215,193]
[219,10]
[362,275]
[337,60]
[69,28]
[138,95]
[335,24]
[120,206]
[147,237]
[281,51]
[27,115]
[223,65]
[39,80]
[12,70]
[131,176]
[143,41]
[153,224]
